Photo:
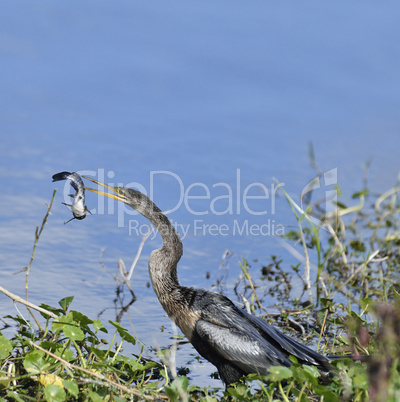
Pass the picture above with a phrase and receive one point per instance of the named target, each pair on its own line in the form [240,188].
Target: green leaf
[58,349]
[54,393]
[73,332]
[182,382]
[172,393]
[311,370]
[358,245]
[123,333]
[177,336]
[54,310]
[17,319]
[360,193]
[326,302]
[292,235]
[134,364]
[396,295]
[178,386]
[279,373]
[95,397]
[327,393]
[150,364]
[4,384]
[238,391]
[97,325]
[65,302]
[14,396]
[70,327]
[98,352]
[344,339]
[209,398]
[34,362]
[71,387]
[360,380]
[82,319]
[367,304]
[6,347]
[116,398]
[59,324]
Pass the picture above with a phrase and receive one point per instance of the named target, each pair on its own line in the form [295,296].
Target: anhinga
[78,207]
[236,342]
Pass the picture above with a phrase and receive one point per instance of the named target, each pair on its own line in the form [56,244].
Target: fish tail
[61,176]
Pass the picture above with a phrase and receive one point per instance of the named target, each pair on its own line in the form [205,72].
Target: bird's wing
[229,332]
[246,350]
[288,345]
[248,341]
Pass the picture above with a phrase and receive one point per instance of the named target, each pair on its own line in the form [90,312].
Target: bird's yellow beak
[119,192]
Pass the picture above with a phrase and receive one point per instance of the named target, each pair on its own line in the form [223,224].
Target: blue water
[200,92]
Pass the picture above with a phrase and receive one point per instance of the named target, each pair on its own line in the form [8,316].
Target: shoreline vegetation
[349,308]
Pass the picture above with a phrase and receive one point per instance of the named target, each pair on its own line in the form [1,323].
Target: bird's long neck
[162,262]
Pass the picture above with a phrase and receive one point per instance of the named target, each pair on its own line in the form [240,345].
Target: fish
[78,207]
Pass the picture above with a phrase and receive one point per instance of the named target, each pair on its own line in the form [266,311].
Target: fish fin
[69,220]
